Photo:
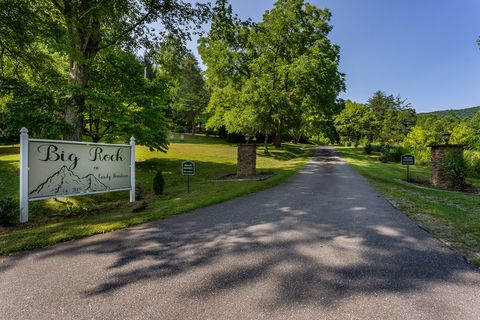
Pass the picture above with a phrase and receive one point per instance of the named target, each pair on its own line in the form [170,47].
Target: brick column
[246,160]
[439,177]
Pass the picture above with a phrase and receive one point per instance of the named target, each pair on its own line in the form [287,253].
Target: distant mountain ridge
[465,113]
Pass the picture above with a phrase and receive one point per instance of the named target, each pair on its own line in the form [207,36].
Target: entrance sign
[57,168]
[188,168]
[407,160]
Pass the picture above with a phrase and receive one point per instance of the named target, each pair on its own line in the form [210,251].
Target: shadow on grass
[286,152]
[310,246]
[9,150]
[9,178]
[197,139]
[51,223]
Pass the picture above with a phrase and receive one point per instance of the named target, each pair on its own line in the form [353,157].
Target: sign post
[132,169]
[58,168]
[188,169]
[23,175]
[408,160]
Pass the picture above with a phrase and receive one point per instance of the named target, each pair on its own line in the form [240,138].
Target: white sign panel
[63,168]
[56,168]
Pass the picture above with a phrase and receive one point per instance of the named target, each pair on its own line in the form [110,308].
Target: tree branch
[121,35]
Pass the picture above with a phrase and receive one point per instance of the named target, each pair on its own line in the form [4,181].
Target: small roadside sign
[408,160]
[188,168]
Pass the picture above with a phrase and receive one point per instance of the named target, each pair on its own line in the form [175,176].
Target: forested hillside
[461,113]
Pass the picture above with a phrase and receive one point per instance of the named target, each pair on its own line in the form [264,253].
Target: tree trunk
[277,142]
[265,143]
[83,28]
[193,127]
[74,111]
[278,135]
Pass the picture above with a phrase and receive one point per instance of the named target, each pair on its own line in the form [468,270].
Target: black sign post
[188,169]
[408,160]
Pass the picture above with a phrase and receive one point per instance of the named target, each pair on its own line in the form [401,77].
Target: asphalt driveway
[325,245]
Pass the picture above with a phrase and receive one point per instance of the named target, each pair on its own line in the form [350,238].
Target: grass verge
[452,217]
[53,222]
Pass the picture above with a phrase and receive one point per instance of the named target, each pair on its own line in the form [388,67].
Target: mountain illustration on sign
[65,180]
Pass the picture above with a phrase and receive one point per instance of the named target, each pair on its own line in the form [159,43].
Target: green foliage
[9,211]
[40,36]
[368,148]
[463,114]
[472,160]
[180,129]
[275,76]
[189,95]
[391,153]
[395,118]
[456,169]
[356,122]
[418,141]
[474,124]
[158,183]
[120,102]
[72,208]
[463,133]
[24,105]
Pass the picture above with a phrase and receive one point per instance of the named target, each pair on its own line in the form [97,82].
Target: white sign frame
[24,171]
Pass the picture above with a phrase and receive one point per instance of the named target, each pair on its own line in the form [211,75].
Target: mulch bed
[233,177]
[426,184]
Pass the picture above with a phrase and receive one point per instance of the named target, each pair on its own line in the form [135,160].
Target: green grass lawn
[51,221]
[452,217]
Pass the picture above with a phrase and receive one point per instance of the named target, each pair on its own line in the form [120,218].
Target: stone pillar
[246,160]
[439,177]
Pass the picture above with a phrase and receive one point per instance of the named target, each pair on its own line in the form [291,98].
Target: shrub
[158,183]
[472,159]
[391,154]
[73,209]
[235,138]
[9,211]
[456,169]
[180,129]
[368,148]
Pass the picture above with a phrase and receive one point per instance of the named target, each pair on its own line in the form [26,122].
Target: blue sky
[423,50]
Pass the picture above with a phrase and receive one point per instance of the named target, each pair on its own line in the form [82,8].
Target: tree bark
[83,29]
[278,135]
[74,110]
[265,143]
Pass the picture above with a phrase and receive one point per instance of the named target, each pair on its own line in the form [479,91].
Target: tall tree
[394,115]
[189,93]
[120,102]
[283,67]
[90,26]
[356,122]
